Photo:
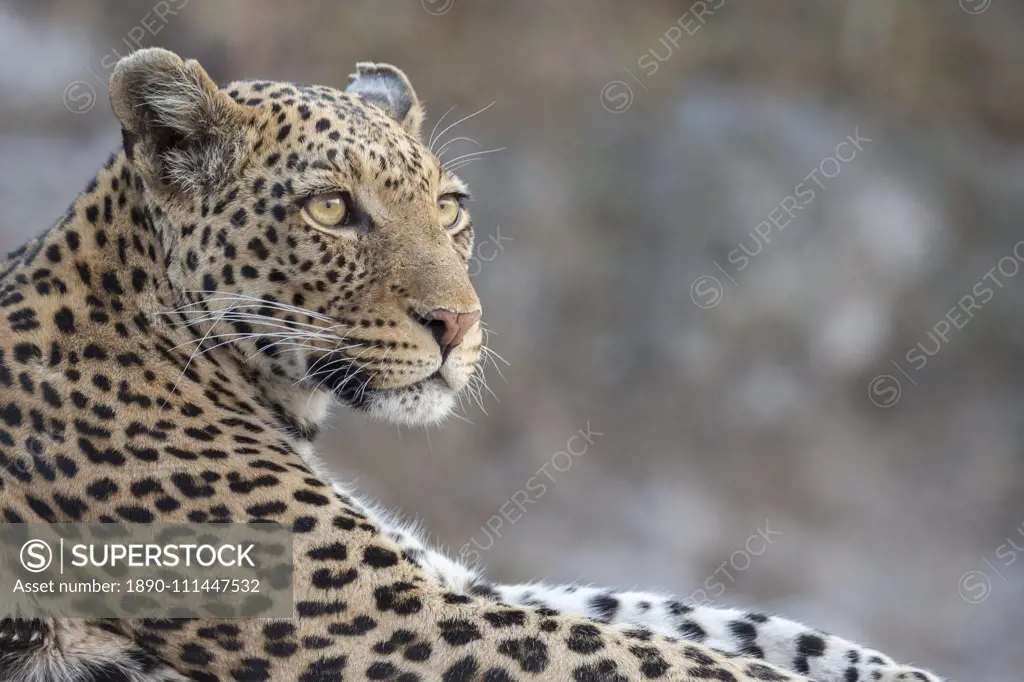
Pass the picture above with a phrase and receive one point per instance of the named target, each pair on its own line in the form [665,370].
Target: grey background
[715,420]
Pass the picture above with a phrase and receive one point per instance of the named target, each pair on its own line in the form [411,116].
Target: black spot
[267,509]
[605,606]
[358,627]
[810,645]
[462,670]
[459,631]
[311,609]
[43,510]
[11,415]
[101,489]
[607,670]
[760,671]
[65,320]
[139,278]
[24,353]
[690,630]
[190,487]
[333,552]
[652,665]
[505,619]
[529,652]
[66,465]
[584,639]
[497,675]
[51,396]
[326,579]
[252,670]
[195,654]
[324,669]
[72,506]
[418,652]
[167,504]
[111,285]
[378,557]
[278,630]
[310,497]
[394,598]
[136,514]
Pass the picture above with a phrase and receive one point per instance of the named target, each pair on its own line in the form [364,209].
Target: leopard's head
[310,228]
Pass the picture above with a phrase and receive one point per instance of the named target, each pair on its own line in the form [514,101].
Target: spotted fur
[170,347]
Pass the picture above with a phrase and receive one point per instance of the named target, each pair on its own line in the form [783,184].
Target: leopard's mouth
[422,401]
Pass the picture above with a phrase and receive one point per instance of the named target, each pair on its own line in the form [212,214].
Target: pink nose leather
[449,327]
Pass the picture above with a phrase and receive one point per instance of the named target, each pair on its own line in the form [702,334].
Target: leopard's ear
[389,88]
[180,130]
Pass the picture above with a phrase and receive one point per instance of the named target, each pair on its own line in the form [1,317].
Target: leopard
[251,257]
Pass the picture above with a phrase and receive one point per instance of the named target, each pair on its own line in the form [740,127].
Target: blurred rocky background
[764,436]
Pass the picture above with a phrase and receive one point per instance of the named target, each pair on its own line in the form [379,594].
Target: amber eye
[451,210]
[328,210]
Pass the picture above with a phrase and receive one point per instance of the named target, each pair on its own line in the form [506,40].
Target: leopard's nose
[449,327]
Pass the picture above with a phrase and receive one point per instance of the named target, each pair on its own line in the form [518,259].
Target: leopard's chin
[422,403]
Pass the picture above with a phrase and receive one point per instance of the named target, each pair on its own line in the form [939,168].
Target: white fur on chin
[435,403]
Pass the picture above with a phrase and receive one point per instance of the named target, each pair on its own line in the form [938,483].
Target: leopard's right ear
[389,88]
[180,130]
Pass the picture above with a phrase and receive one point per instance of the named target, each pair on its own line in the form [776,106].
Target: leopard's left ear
[389,88]
[180,130]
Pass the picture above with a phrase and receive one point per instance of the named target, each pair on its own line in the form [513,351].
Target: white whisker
[471,155]
[430,142]
[465,118]
[441,150]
